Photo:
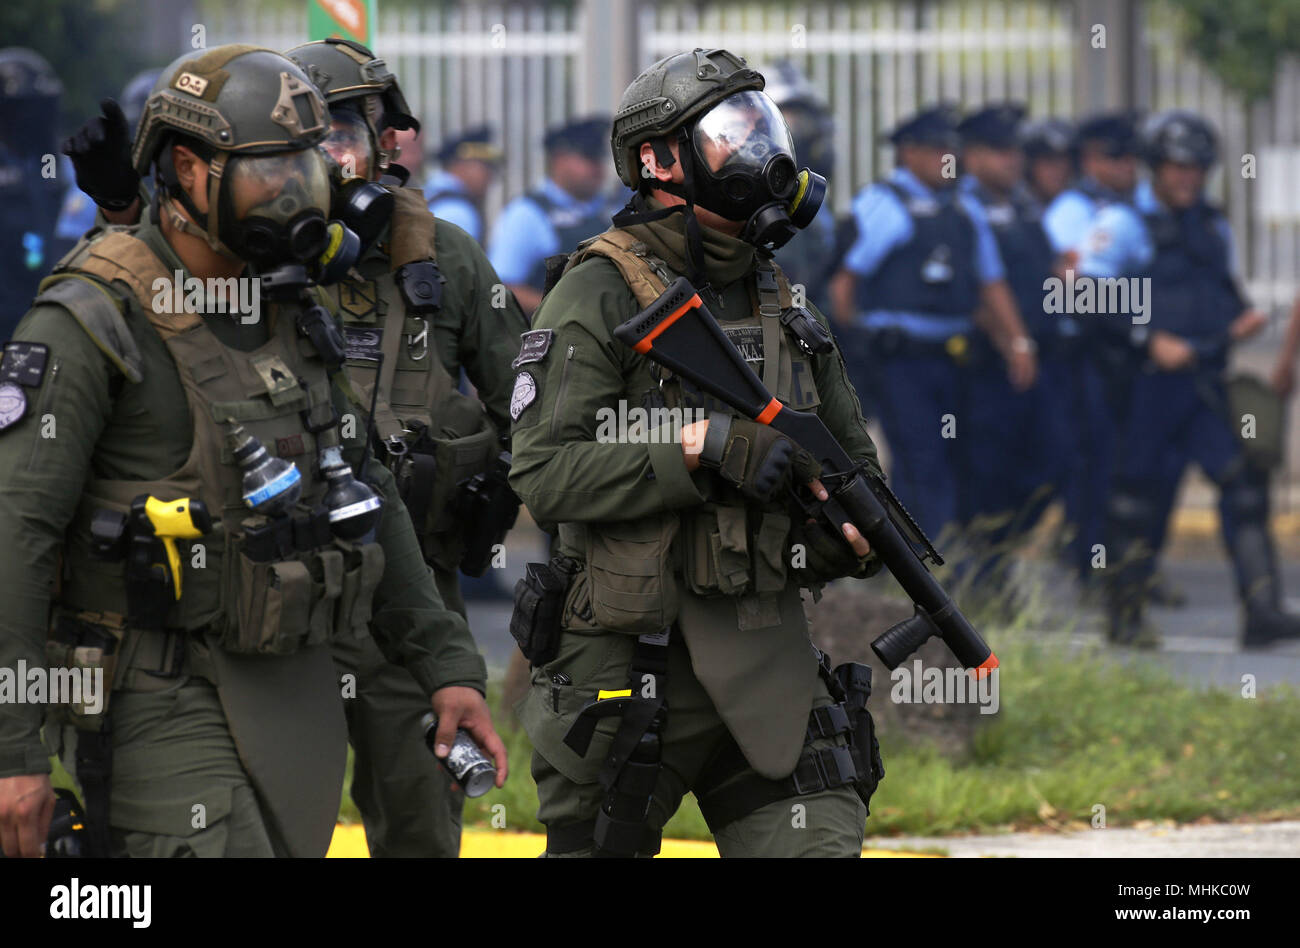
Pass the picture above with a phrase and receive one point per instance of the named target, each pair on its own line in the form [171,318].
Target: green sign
[351,19]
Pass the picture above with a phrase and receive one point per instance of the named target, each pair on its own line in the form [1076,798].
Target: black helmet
[350,76]
[1179,136]
[1049,136]
[668,94]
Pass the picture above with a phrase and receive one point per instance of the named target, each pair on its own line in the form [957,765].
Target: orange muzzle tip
[986,666]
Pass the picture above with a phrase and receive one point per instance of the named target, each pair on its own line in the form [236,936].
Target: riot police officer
[1177,404]
[728,702]
[568,206]
[925,262]
[390,307]
[223,723]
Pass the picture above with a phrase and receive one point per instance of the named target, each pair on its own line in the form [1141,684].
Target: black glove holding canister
[101,154]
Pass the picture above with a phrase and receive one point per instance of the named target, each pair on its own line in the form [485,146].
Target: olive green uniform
[405,797]
[186,779]
[667,547]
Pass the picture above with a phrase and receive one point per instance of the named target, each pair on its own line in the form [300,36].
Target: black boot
[1253,558]
[1129,577]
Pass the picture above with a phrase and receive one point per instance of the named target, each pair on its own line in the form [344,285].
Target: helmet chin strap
[171,193]
[686,191]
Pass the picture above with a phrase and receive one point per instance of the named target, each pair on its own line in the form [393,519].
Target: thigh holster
[631,770]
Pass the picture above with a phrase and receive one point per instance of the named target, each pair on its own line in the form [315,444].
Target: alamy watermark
[919,685]
[1098,296]
[639,425]
[82,687]
[219,296]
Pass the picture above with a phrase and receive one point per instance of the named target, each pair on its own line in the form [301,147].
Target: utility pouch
[285,588]
[268,604]
[716,554]
[855,679]
[363,568]
[88,651]
[630,572]
[535,623]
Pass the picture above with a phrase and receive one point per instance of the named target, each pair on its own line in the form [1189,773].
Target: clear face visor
[278,187]
[741,135]
[274,206]
[349,143]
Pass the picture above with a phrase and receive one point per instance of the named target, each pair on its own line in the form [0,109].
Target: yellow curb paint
[349,842]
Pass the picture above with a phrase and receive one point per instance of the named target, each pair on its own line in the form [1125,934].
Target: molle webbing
[121,257]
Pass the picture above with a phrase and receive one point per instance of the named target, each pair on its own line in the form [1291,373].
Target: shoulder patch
[537,342]
[524,394]
[13,404]
[24,363]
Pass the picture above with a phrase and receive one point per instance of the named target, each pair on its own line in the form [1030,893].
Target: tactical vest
[1027,257]
[1193,293]
[281,394]
[934,271]
[725,546]
[571,226]
[448,434]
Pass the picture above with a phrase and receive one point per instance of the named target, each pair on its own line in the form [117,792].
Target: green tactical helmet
[669,94]
[344,70]
[241,99]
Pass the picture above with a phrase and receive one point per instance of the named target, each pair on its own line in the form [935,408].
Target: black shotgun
[679,333]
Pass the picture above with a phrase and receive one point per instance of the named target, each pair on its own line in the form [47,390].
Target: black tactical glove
[828,556]
[101,154]
[755,458]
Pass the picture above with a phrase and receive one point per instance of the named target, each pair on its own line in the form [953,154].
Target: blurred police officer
[926,262]
[468,164]
[1016,439]
[1177,404]
[1107,173]
[1050,155]
[570,205]
[1107,154]
[808,259]
[29,191]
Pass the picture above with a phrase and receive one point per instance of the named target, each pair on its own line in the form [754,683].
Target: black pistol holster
[630,772]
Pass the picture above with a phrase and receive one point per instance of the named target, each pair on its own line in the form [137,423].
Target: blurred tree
[89,44]
[1241,42]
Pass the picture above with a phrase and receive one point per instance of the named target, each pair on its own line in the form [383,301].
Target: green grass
[1074,730]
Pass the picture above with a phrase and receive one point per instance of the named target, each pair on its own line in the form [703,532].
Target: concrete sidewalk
[1223,840]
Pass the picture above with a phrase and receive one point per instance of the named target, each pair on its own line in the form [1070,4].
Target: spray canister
[466,762]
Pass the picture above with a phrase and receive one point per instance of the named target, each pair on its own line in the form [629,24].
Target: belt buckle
[958,348]
[799,788]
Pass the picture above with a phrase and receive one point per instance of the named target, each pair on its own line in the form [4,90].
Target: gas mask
[744,166]
[266,210]
[359,203]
